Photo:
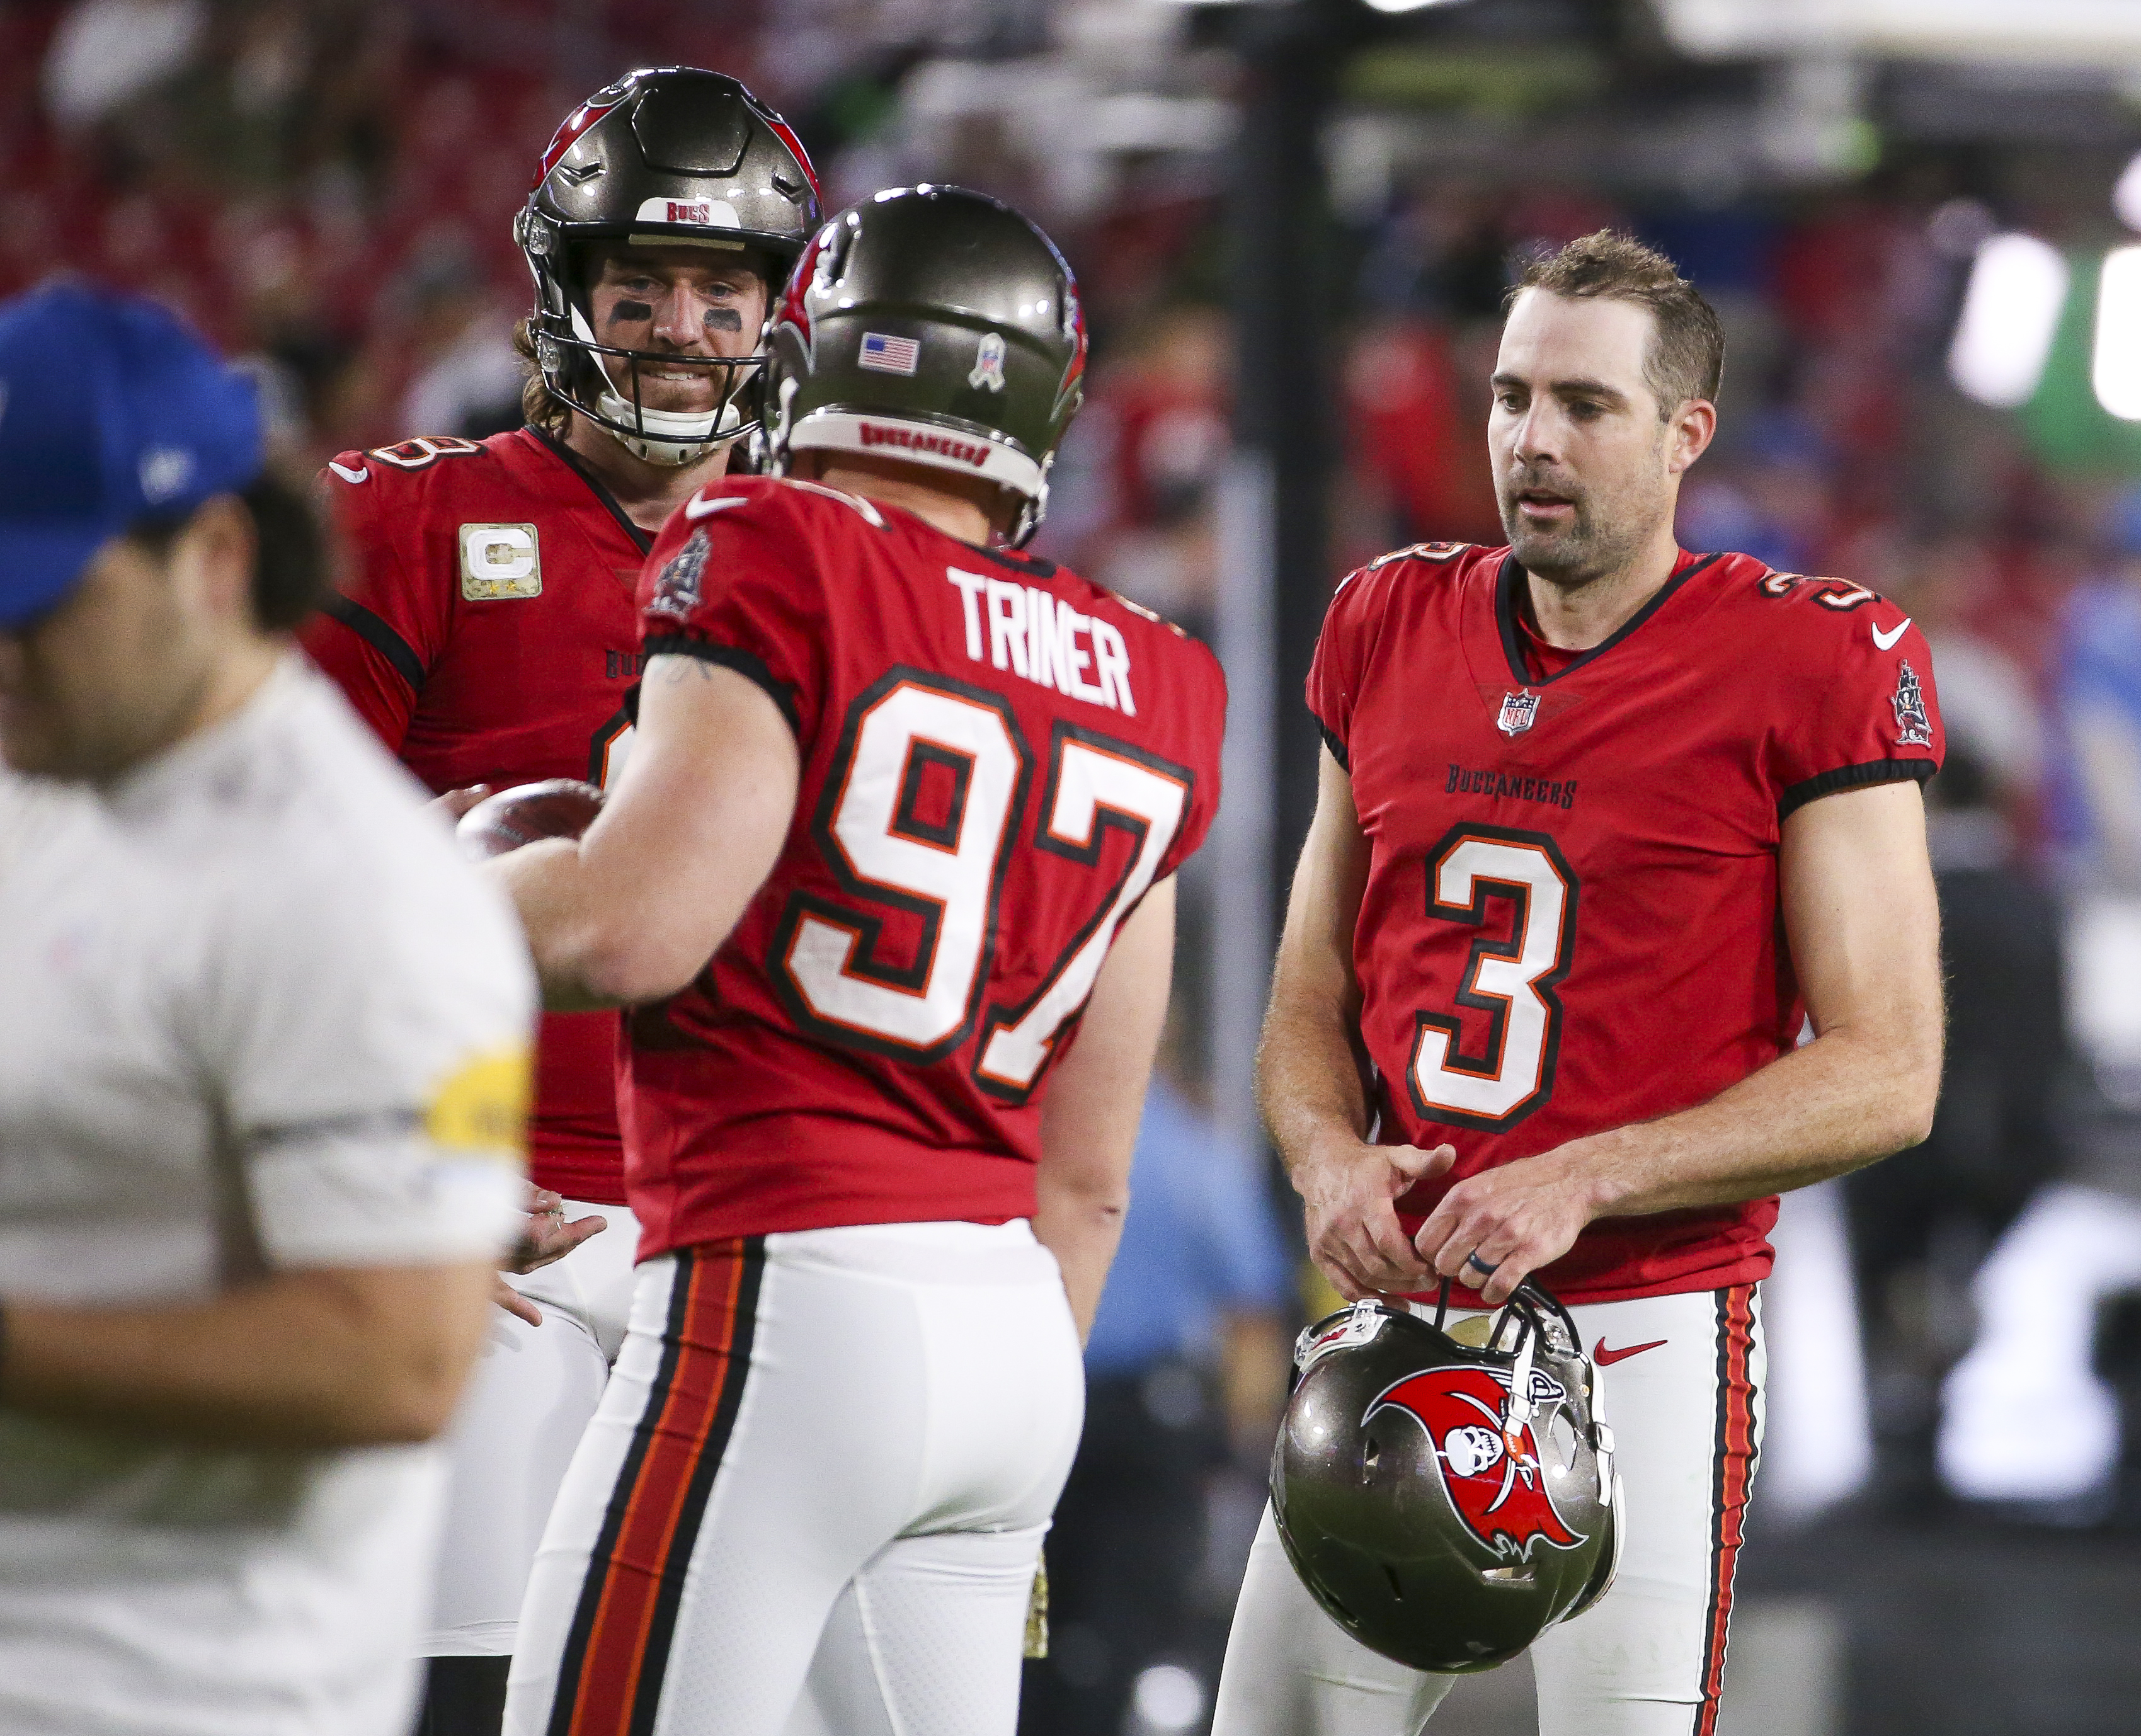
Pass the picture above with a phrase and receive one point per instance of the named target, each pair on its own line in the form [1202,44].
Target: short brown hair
[1687,352]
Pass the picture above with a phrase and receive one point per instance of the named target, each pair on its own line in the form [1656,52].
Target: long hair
[538,409]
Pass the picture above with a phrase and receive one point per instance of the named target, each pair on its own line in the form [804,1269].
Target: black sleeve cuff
[381,637]
[744,662]
[1853,777]
[1337,747]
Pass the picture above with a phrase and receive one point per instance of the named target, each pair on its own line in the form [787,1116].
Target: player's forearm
[1096,1099]
[1309,1089]
[300,1360]
[633,910]
[589,952]
[1839,1102]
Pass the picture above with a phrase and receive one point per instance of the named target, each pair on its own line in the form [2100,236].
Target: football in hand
[556,808]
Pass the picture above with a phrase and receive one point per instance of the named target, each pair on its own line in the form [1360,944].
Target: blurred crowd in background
[326,189]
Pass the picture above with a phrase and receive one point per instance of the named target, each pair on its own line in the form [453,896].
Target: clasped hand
[1514,1219]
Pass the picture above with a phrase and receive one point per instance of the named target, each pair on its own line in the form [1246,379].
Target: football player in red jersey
[889,883]
[488,634]
[1603,825]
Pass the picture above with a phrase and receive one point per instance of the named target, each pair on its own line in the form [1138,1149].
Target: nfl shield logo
[1519,712]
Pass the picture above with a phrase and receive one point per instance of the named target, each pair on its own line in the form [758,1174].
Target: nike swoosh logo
[1606,1359]
[698,507]
[362,473]
[1886,641]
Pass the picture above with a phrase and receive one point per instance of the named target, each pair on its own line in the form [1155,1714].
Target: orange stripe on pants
[643,1571]
[1735,1471]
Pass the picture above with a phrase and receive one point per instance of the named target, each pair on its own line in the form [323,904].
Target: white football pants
[530,1395]
[814,1495]
[1648,1659]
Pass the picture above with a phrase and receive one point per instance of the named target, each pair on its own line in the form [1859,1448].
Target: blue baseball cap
[112,410]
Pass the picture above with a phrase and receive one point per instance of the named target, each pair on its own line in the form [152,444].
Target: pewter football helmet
[668,156]
[1446,1502]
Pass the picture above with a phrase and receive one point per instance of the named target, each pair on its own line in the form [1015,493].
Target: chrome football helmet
[1447,1502]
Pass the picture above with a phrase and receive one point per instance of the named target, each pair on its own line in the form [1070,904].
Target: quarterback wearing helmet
[888,886]
[1603,826]
[488,635]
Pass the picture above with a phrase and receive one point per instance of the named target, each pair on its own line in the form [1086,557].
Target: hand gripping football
[555,807]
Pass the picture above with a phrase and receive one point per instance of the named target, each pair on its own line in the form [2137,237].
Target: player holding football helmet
[889,884]
[489,636]
[1448,1496]
[1602,824]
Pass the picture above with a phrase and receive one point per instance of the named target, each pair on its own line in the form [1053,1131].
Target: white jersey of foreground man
[263,1079]
[257,1021]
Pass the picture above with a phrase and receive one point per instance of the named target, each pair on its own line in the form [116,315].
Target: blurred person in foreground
[889,885]
[264,1072]
[1194,1302]
[1603,823]
[488,635]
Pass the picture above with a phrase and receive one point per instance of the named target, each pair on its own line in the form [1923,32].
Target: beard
[1565,555]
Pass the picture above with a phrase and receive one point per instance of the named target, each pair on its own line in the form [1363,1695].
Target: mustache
[1546,481]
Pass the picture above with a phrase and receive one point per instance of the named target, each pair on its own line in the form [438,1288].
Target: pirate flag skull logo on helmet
[1490,1467]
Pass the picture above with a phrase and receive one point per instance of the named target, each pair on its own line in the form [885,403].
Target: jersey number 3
[922,809]
[1510,981]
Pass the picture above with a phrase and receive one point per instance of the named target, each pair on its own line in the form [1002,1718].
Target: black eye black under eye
[724,319]
[631,310]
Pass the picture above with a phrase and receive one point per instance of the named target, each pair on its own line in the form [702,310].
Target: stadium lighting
[1168,1698]
[2011,314]
[2116,370]
[2126,195]
[1406,6]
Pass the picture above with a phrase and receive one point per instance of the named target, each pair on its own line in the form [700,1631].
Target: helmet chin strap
[669,437]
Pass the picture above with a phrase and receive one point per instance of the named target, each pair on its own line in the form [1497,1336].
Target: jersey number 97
[945,861]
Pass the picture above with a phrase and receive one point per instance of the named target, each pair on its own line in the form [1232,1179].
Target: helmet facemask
[666,156]
[582,372]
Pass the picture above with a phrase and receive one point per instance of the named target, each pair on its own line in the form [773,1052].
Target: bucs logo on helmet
[1490,1468]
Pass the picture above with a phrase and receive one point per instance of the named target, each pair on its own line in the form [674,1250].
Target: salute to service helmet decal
[1491,1473]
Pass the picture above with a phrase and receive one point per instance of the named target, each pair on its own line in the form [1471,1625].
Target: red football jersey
[1571,920]
[488,633]
[998,759]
